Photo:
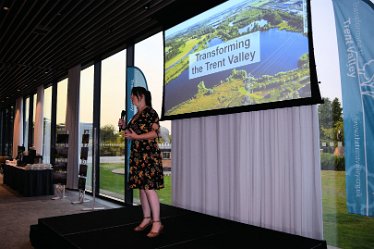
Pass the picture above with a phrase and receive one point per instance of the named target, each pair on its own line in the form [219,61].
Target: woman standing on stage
[146,173]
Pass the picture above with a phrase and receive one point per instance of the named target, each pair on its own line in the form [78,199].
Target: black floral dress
[145,158]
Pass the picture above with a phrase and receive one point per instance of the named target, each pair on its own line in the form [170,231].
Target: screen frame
[315,97]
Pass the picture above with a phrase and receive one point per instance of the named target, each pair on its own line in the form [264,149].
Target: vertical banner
[134,77]
[354,26]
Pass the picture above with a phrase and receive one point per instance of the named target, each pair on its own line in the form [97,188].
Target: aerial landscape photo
[240,53]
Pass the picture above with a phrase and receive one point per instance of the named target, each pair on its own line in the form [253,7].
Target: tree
[337,119]
[331,121]
[111,144]
[108,134]
[337,111]
[324,113]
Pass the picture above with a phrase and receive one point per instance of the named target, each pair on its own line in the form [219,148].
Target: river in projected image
[280,52]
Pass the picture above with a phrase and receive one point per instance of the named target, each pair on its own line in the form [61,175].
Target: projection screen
[240,56]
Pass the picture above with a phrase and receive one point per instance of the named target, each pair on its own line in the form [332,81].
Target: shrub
[339,163]
[331,162]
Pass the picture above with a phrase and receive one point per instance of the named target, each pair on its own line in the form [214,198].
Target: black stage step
[184,229]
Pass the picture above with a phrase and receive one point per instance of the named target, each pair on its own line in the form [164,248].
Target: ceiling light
[5,8]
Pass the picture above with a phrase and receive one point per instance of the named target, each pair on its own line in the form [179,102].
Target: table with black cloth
[28,182]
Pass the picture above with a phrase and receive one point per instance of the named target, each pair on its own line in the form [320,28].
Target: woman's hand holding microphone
[130,134]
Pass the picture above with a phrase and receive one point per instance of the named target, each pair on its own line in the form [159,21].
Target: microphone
[121,121]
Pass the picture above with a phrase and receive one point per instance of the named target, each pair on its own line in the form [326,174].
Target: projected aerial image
[239,53]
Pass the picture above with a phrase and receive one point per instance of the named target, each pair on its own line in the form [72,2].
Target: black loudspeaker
[84,153]
[83,170]
[81,183]
[85,138]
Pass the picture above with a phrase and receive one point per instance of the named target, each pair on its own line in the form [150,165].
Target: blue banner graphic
[354,26]
[134,77]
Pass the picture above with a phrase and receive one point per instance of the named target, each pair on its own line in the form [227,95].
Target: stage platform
[184,229]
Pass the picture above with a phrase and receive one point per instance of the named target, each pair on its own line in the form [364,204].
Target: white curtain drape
[260,168]
[72,125]
[18,127]
[39,121]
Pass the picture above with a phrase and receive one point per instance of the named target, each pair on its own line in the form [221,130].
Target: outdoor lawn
[341,229]
[115,183]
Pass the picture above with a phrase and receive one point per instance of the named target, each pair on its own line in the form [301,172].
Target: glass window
[47,113]
[86,117]
[26,124]
[113,100]
[61,105]
[62,93]
[33,119]
[150,61]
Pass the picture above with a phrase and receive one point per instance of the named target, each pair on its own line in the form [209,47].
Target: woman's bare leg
[154,204]
[145,207]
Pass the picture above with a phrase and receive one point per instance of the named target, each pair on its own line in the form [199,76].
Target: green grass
[187,46]
[109,181]
[342,229]
[114,183]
